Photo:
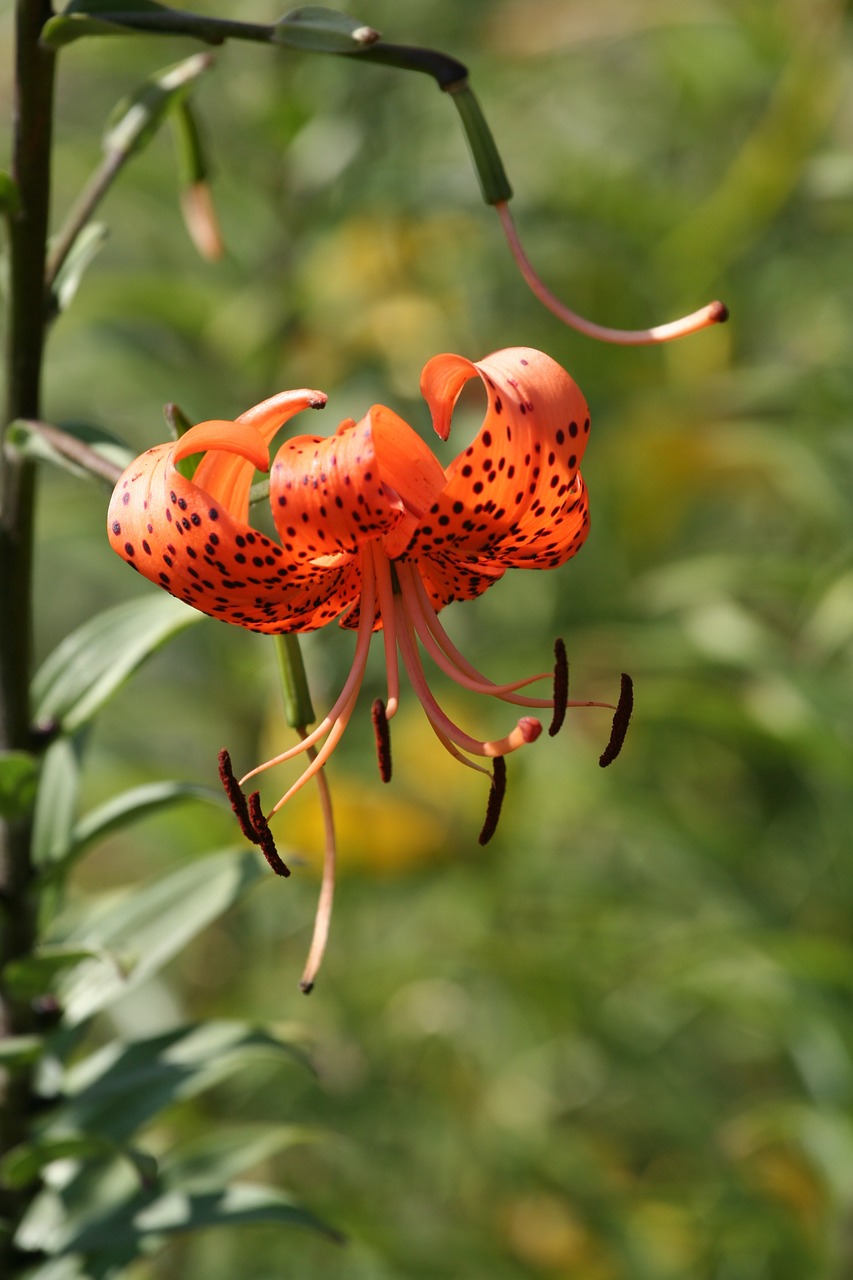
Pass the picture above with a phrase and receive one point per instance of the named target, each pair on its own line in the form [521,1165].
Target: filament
[323,914]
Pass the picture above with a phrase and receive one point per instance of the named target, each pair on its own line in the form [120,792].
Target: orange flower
[376,533]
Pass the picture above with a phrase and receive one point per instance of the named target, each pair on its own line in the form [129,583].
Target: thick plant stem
[25,332]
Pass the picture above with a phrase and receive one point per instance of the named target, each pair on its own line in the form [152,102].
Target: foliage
[617,1044]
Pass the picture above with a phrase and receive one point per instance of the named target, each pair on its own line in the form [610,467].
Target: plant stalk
[24,346]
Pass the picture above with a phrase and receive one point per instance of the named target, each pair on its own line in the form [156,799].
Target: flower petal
[227,478]
[448,578]
[512,494]
[330,495]
[185,540]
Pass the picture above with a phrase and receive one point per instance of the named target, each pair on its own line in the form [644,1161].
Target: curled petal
[330,495]
[185,539]
[515,495]
[222,475]
[448,577]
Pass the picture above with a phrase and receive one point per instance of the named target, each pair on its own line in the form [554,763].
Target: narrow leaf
[114,6]
[132,806]
[20,1051]
[18,783]
[56,801]
[137,118]
[121,1087]
[61,30]
[319,30]
[80,448]
[91,664]
[146,927]
[22,1165]
[10,196]
[239,1204]
[35,975]
[79,18]
[90,240]
[219,1156]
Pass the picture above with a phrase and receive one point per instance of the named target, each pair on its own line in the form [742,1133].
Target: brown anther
[561,687]
[621,719]
[497,791]
[383,739]
[235,796]
[263,836]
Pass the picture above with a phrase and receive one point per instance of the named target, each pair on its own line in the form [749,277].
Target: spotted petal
[370,479]
[191,537]
[514,497]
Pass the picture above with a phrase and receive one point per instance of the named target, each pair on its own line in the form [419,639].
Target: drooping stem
[25,333]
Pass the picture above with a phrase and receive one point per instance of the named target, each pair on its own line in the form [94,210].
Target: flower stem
[25,333]
[298,709]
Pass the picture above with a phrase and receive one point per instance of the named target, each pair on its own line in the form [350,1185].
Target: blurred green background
[618,1043]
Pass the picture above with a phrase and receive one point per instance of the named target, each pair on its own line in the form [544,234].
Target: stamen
[386,588]
[561,687]
[497,791]
[383,739]
[353,681]
[263,836]
[319,758]
[235,796]
[527,730]
[323,915]
[713,313]
[445,654]
[621,719]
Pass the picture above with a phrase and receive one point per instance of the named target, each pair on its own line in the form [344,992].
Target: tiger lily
[375,533]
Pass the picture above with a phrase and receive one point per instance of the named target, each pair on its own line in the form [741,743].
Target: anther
[621,719]
[561,687]
[383,739]
[263,836]
[250,815]
[497,791]
[235,796]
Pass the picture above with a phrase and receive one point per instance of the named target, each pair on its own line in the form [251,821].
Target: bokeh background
[617,1044]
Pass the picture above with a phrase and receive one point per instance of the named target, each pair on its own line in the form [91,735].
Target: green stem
[298,710]
[25,331]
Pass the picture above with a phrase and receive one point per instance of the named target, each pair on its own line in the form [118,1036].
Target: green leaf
[60,31]
[56,801]
[34,975]
[79,448]
[91,664]
[132,806]
[137,118]
[192,158]
[147,926]
[239,1204]
[78,19]
[22,1165]
[20,1051]
[319,30]
[494,183]
[10,196]
[121,1087]
[114,6]
[219,1156]
[68,1267]
[18,783]
[89,241]
[98,1225]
